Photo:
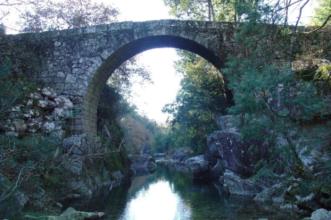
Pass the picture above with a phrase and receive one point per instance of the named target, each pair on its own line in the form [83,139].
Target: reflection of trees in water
[206,203]
[111,202]
[201,201]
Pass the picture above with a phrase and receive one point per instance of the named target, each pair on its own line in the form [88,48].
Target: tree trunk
[211,12]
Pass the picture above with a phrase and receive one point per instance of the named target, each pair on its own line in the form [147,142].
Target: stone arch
[114,60]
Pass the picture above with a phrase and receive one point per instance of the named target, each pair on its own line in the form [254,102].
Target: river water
[168,195]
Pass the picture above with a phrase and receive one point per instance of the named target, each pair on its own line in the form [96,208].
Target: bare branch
[300,14]
[286,6]
[6,194]
[320,27]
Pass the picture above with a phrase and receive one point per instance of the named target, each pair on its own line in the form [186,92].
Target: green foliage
[12,88]
[216,10]
[110,109]
[139,133]
[163,141]
[29,163]
[119,125]
[322,12]
[268,95]
[322,78]
[50,15]
[116,161]
[200,100]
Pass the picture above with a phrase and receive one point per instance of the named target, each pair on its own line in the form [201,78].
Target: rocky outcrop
[181,154]
[199,168]
[321,214]
[230,149]
[43,111]
[176,159]
[236,185]
[142,164]
[227,146]
[88,169]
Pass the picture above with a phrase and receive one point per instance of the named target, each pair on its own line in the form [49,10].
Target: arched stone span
[74,62]
[126,52]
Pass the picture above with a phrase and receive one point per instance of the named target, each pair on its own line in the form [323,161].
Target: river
[169,195]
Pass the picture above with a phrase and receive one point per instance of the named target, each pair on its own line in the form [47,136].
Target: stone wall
[42,111]
[77,62]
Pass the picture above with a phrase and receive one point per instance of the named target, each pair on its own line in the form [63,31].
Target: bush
[13,88]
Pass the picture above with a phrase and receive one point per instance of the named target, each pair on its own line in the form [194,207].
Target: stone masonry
[77,62]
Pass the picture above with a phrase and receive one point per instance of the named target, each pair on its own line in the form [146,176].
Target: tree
[322,13]
[123,77]
[268,94]
[7,7]
[53,15]
[198,103]
[212,10]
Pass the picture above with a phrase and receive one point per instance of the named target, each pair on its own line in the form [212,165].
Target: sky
[150,98]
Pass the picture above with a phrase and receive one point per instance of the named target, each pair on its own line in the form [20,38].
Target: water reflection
[169,195]
[157,201]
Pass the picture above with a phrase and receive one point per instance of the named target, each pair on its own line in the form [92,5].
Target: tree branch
[300,14]
[320,27]
[6,194]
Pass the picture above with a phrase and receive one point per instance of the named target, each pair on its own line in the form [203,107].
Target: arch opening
[117,58]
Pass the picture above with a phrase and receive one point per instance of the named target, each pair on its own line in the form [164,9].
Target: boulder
[236,154]
[48,127]
[199,168]
[181,154]
[274,193]
[217,170]
[230,148]
[236,185]
[321,214]
[63,102]
[59,113]
[307,202]
[197,163]
[48,92]
[42,103]
[75,144]
[228,123]
[142,164]
[20,126]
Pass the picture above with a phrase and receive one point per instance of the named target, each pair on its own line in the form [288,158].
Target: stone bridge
[78,62]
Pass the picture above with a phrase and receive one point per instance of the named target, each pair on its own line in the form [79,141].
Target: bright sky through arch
[150,98]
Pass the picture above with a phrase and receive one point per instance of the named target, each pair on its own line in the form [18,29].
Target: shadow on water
[170,195]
